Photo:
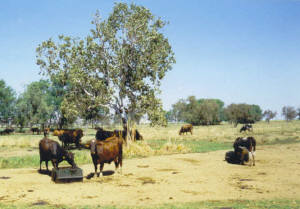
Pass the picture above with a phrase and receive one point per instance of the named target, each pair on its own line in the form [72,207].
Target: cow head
[70,159]
[93,147]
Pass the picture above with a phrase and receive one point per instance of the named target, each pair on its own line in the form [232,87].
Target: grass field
[21,149]
[242,204]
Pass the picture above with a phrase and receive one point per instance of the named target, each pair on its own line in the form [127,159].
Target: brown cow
[106,151]
[69,136]
[51,150]
[186,128]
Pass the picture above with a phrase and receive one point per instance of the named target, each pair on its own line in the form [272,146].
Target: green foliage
[7,102]
[197,112]
[289,113]
[243,113]
[269,115]
[118,66]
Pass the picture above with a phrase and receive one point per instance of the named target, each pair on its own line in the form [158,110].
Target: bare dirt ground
[165,179]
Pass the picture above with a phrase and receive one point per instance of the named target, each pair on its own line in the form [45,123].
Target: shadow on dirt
[44,172]
[105,173]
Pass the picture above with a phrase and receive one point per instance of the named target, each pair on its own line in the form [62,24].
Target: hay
[170,148]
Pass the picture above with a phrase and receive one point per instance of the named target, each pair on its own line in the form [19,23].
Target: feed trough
[66,174]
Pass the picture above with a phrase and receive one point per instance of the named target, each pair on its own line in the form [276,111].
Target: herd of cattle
[108,146]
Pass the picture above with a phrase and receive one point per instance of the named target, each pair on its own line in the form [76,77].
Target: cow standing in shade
[69,136]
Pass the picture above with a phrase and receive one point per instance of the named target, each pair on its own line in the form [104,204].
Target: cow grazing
[51,150]
[37,130]
[246,127]
[186,128]
[106,151]
[69,136]
[244,146]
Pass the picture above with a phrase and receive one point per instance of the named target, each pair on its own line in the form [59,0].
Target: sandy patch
[165,179]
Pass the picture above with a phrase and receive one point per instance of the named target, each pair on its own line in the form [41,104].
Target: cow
[135,134]
[186,128]
[244,146]
[51,150]
[46,131]
[102,134]
[69,136]
[37,130]
[232,157]
[246,127]
[7,131]
[107,151]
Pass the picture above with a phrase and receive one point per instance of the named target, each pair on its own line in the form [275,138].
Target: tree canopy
[197,112]
[118,66]
[7,102]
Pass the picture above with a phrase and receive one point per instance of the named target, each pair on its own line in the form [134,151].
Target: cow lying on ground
[51,151]
[246,127]
[7,131]
[231,157]
[186,128]
[37,130]
[106,151]
[69,136]
[244,146]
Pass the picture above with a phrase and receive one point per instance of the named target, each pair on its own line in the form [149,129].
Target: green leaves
[7,102]
[118,66]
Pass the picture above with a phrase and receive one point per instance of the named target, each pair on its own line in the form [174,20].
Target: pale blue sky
[240,51]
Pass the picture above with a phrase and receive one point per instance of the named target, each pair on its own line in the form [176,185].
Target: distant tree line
[212,112]
[39,105]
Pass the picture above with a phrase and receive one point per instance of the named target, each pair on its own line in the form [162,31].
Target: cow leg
[41,164]
[101,169]
[116,161]
[253,158]
[95,165]
[46,162]
[120,162]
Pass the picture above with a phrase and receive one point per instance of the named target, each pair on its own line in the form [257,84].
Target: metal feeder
[66,174]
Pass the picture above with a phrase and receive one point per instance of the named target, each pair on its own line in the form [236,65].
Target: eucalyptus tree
[7,103]
[269,115]
[289,113]
[118,66]
[36,103]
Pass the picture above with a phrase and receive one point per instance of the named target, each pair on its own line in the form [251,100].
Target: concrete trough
[67,174]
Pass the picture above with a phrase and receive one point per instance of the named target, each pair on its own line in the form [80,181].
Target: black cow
[102,134]
[107,151]
[246,127]
[7,131]
[51,150]
[37,130]
[244,146]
